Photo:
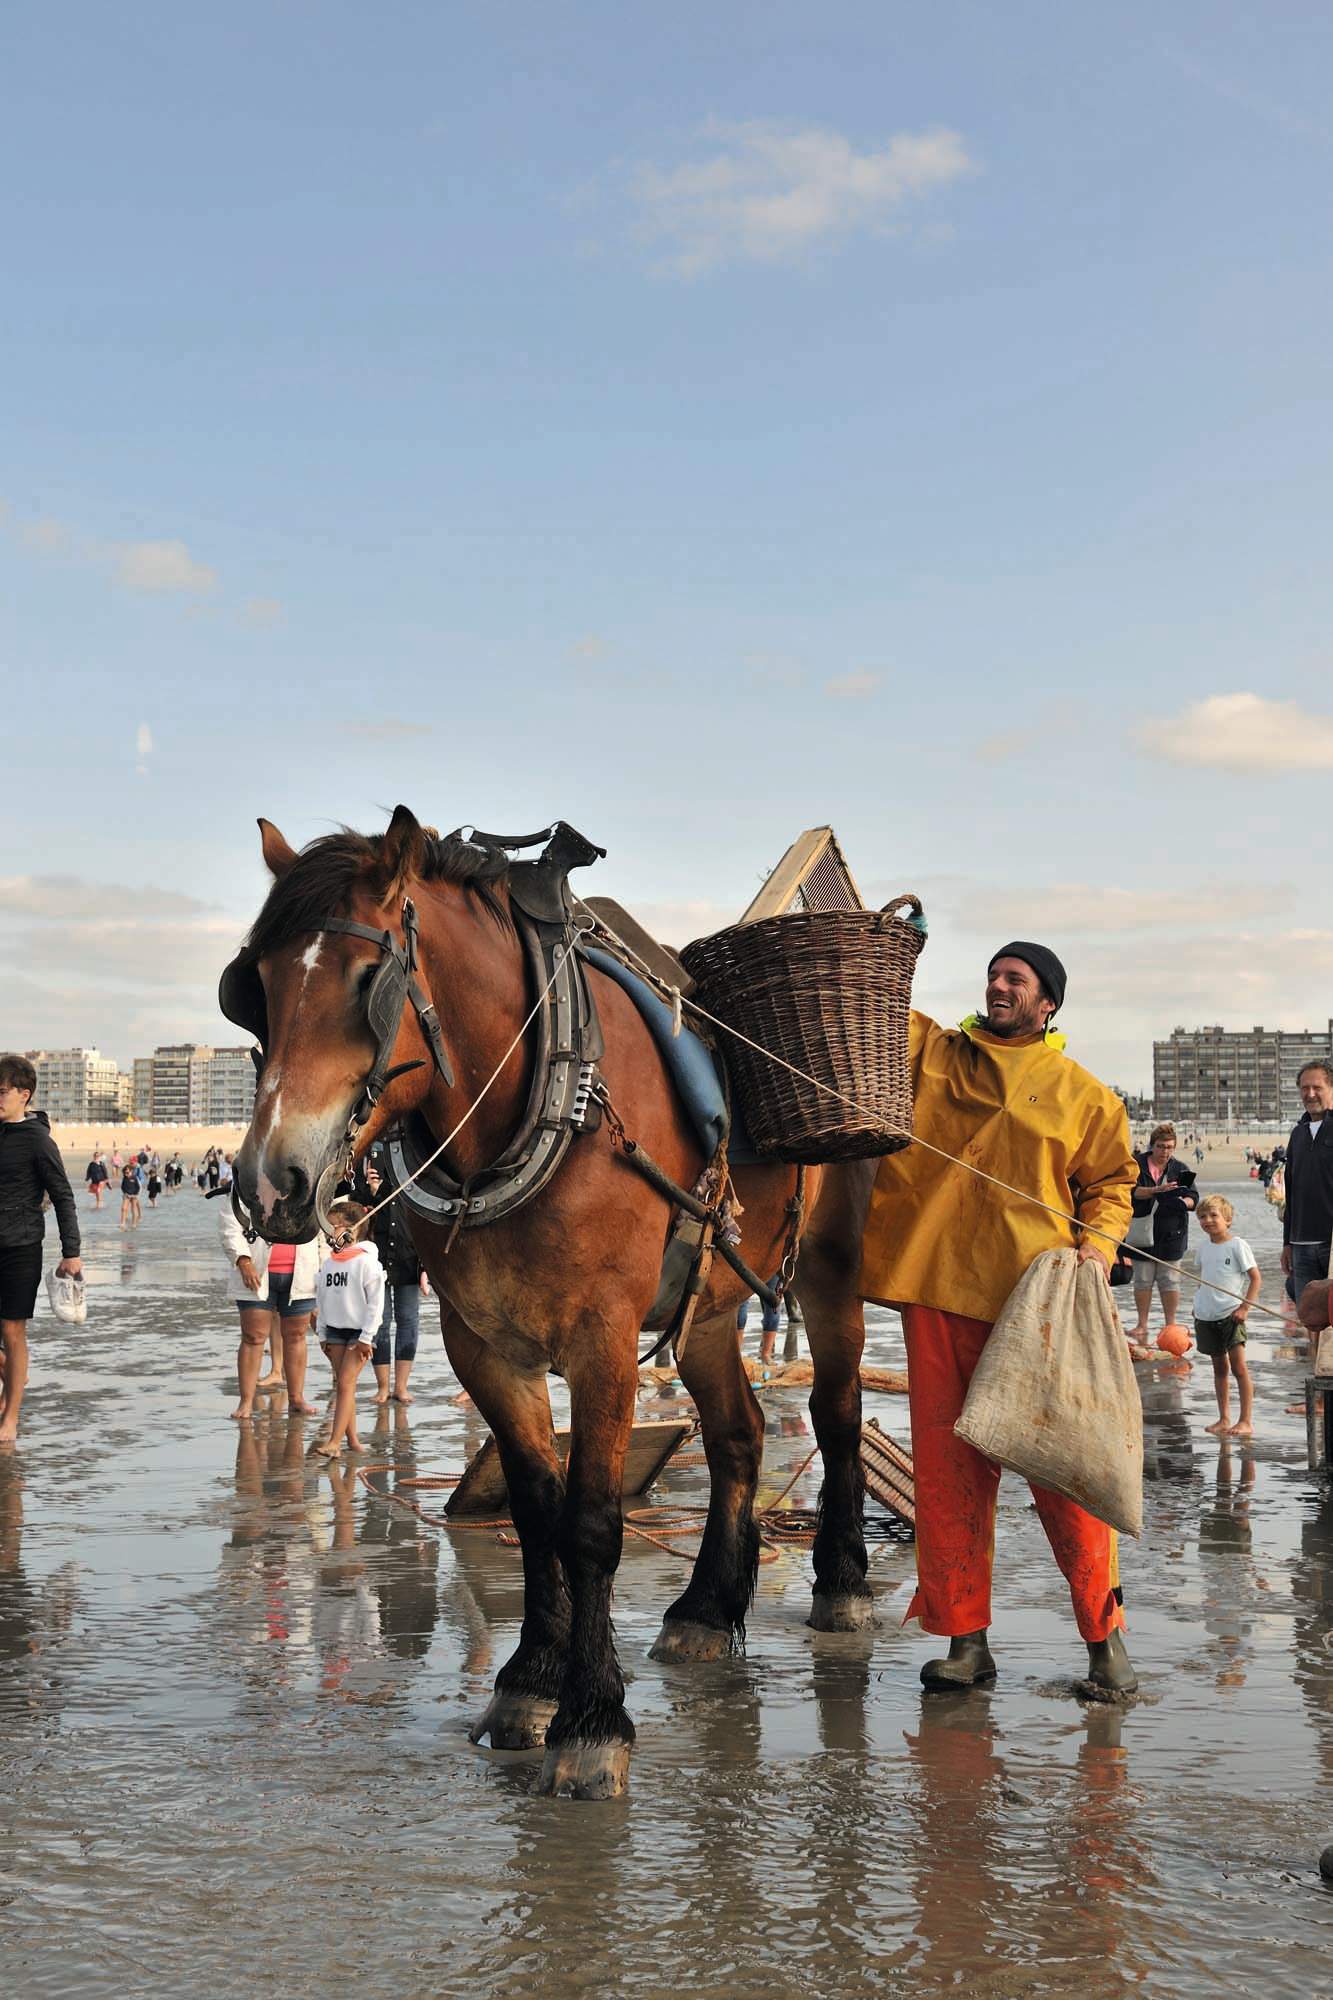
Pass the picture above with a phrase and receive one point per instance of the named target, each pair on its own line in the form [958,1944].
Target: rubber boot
[1110,1669]
[968,1665]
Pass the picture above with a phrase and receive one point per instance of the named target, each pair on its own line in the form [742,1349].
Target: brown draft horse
[563,1283]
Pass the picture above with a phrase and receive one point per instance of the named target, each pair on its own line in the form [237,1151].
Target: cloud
[262,612]
[676,924]
[102,964]
[592,646]
[157,568]
[1242,732]
[162,567]
[1005,745]
[1095,908]
[72,899]
[45,535]
[768,192]
[852,687]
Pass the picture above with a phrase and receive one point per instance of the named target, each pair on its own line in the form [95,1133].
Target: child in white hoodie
[349,1300]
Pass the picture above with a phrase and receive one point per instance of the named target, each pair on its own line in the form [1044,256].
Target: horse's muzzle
[279,1194]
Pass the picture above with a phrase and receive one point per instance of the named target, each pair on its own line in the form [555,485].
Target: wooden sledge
[482,1490]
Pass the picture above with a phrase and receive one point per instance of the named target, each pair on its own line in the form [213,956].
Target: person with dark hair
[405,1284]
[1307,1220]
[30,1170]
[96,1177]
[947,1249]
[1162,1203]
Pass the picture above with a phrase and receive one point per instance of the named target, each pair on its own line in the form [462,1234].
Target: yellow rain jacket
[937,1236]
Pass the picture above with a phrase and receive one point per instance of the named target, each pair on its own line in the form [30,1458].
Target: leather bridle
[395,984]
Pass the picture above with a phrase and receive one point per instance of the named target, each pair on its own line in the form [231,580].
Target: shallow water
[234,1695]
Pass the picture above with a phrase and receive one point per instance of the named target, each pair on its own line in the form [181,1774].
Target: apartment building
[190,1083]
[76,1086]
[1219,1076]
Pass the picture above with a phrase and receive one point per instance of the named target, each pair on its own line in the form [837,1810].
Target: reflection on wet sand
[1312,1633]
[33,1621]
[251,1721]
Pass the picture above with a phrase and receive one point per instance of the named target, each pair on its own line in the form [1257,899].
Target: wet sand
[234,1695]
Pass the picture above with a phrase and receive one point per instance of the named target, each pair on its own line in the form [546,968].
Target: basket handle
[917,918]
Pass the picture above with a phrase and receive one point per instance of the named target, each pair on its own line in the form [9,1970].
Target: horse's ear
[277,853]
[403,847]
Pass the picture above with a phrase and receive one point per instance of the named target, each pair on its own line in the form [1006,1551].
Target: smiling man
[1307,1218]
[947,1249]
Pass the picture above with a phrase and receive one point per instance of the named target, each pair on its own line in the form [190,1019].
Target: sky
[697,423]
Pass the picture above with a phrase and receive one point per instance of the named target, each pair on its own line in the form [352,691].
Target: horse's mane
[320,882]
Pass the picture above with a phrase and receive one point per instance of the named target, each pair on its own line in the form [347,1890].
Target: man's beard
[1008,1029]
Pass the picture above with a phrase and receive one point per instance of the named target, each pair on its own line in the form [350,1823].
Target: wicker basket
[830,992]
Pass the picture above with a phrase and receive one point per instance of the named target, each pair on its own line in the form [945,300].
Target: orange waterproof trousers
[955,1497]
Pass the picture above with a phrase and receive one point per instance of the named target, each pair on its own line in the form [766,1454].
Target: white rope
[491,1080]
[874,1117]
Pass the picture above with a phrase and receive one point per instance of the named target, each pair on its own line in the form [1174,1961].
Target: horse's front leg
[835,1328]
[707,1621]
[518,1410]
[588,1743]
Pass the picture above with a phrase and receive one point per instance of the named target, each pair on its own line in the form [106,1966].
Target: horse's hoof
[584,1771]
[514,1722]
[840,1614]
[682,1639]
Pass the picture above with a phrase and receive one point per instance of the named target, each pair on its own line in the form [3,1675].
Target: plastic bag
[1054,1395]
[68,1296]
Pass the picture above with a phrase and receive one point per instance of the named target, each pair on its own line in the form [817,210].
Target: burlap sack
[1054,1395]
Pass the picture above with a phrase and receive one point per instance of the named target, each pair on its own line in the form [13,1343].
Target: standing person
[350,1292]
[96,1177]
[769,1322]
[30,1169]
[211,1166]
[1161,1223]
[1307,1224]
[1227,1267]
[948,1249]
[130,1185]
[273,1287]
[405,1285]
[154,1184]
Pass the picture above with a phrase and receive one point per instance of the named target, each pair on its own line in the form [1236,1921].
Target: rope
[670,1524]
[905,1131]
[491,1080]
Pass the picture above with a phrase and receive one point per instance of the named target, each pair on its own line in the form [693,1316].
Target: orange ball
[1176,1340]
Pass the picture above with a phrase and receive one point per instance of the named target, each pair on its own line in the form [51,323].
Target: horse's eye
[365,980]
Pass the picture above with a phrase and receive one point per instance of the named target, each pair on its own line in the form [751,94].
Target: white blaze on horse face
[267,1193]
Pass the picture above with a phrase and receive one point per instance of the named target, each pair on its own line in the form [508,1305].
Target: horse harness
[568,1096]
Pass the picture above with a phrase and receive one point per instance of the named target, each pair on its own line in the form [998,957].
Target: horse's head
[330,984]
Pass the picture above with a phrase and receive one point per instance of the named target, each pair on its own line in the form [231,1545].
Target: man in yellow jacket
[947,1249]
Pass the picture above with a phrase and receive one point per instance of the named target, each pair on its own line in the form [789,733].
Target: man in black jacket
[30,1168]
[1307,1224]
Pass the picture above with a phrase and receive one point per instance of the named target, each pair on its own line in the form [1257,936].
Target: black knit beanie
[1043,962]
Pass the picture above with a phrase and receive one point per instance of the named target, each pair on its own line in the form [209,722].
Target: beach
[76,1142]
[235,1692]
